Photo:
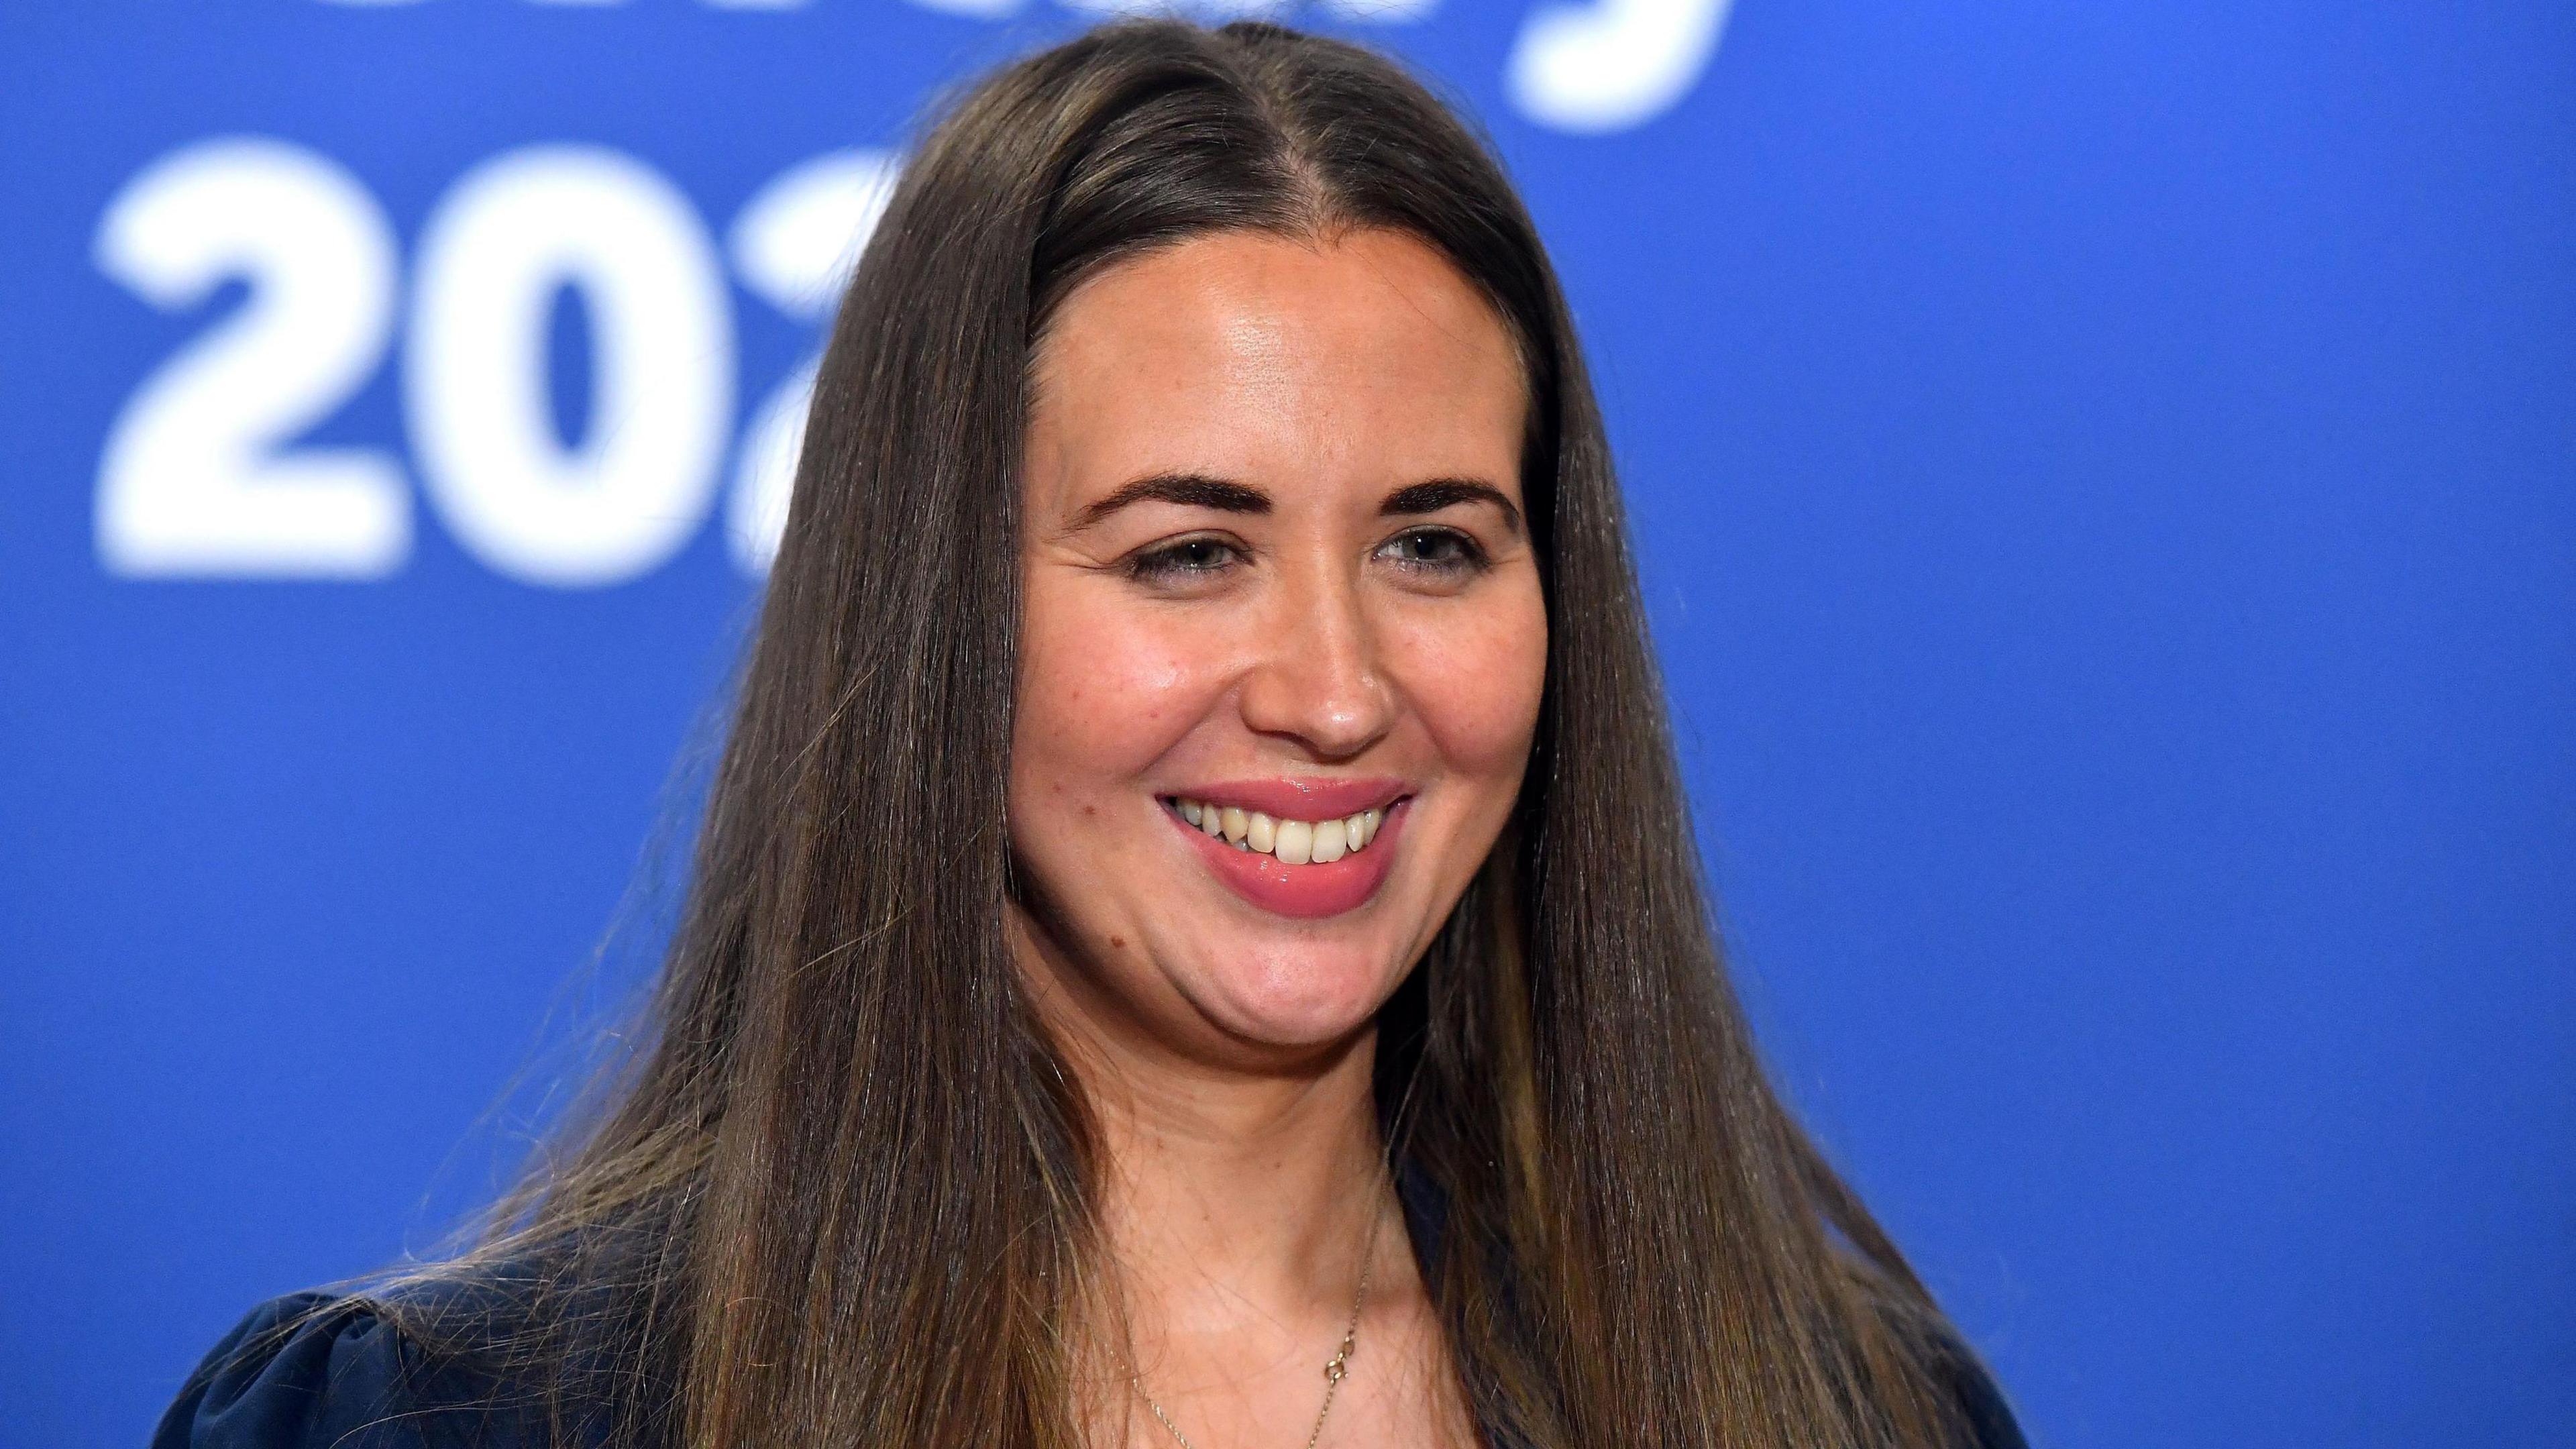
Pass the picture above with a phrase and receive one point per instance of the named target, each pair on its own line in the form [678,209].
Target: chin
[1298,998]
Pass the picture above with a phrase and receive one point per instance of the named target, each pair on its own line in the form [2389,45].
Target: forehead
[1365,361]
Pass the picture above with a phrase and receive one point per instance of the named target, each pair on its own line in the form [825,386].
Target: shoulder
[325,1371]
[1982,1407]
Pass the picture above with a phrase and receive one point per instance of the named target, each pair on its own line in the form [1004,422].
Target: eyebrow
[1198,490]
[1435,494]
[1190,490]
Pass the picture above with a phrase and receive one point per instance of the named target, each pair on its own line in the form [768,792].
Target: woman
[1196,937]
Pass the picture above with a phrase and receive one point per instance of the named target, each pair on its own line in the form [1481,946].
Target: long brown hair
[842,1194]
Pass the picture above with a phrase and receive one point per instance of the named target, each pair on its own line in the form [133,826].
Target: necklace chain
[1336,1368]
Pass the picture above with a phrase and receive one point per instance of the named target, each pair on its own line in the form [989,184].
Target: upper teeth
[1295,842]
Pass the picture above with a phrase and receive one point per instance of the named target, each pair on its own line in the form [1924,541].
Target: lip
[1304,892]
[1295,798]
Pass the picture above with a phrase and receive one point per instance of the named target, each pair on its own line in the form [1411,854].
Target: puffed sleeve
[310,1371]
[1981,1401]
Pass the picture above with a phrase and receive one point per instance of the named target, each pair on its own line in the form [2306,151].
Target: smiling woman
[1196,937]
[1276,580]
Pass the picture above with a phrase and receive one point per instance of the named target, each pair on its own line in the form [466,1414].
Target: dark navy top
[346,1378]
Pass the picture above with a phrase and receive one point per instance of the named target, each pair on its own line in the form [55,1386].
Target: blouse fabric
[321,1371]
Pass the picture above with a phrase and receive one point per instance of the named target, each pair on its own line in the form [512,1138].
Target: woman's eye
[1189,558]
[1435,550]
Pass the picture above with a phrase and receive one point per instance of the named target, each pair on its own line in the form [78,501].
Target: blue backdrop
[2103,471]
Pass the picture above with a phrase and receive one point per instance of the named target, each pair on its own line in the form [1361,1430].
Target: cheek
[1476,677]
[1103,695]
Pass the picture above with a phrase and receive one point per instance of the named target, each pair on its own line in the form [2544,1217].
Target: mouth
[1289,841]
[1289,865]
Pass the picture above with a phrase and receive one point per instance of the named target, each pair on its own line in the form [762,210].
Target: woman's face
[1283,638]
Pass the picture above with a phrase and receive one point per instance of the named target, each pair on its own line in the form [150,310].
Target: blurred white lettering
[492,257]
[795,244]
[1590,68]
[192,481]
[202,475]
[1611,64]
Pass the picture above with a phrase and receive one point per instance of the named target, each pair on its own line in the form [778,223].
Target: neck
[1256,1187]
[1231,1189]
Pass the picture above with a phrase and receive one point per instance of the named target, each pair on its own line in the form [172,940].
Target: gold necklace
[1335,1368]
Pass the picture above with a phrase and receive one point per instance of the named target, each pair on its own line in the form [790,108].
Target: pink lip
[1302,891]
[1289,798]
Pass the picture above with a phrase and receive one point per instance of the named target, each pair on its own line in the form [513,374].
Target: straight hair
[842,1192]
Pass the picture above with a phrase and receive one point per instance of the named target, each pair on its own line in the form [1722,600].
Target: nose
[1319,680]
